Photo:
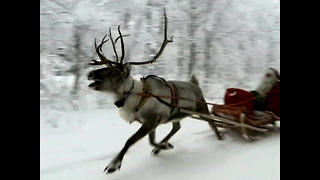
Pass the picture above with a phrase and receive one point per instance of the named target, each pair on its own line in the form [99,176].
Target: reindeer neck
[129,87]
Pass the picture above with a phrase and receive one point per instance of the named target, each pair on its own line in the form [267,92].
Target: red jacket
[273,99]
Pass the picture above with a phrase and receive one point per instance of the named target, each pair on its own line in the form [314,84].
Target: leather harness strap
[174,94]
[147,90]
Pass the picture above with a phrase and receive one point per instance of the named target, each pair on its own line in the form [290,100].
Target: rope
[187,99]
[250,99]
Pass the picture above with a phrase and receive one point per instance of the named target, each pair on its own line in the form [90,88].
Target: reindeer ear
[127,68]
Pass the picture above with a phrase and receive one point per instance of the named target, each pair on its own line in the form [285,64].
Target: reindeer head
[113,76]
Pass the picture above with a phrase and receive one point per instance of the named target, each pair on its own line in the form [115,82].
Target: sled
[244,111]
[236,118]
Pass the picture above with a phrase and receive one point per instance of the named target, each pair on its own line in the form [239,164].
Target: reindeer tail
[194,79]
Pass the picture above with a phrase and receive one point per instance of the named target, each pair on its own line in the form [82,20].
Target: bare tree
[80,57]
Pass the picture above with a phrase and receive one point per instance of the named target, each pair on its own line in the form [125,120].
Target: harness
[147,90]
[120,102]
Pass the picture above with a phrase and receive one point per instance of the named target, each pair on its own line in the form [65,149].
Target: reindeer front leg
[115,164]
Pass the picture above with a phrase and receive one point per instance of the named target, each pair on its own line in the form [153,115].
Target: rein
[187,99]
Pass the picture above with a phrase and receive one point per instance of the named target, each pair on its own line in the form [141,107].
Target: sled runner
[238,118]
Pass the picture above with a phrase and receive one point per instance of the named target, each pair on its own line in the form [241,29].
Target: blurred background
[228,43]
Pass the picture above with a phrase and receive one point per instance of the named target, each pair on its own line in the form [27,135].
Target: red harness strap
[147,89]
[174,95]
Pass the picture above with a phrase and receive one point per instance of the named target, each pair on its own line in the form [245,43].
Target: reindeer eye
[268,75]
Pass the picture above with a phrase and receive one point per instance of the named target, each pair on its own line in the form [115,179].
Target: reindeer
[150,111]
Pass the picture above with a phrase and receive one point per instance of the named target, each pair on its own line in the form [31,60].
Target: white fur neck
[128,85]
[132,87]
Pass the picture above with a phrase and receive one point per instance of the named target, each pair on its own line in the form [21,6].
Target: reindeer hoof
[155,151]
[166,146]
[112,167]
[162,146]
[110,170]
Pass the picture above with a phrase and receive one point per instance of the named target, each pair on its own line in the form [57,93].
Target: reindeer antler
[122,45]
[164,43]
[108,62]
[102,57]
[99,52]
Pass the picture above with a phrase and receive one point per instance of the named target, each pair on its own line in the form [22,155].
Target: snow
[82,149]
[243,38]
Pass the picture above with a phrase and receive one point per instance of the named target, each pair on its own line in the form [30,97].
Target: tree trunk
[192,31]
[207,59]
[76,83]
[180,61]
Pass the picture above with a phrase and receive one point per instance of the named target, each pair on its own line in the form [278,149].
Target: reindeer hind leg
[164,144]
[203,108]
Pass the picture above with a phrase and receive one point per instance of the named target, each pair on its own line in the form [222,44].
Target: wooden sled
[238,118]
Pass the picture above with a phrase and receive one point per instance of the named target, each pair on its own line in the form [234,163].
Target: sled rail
[221,120]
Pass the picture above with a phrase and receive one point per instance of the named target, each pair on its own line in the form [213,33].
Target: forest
[227,43]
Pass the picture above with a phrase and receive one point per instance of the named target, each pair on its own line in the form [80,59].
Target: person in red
[273,99]
[270,89]
[266,97]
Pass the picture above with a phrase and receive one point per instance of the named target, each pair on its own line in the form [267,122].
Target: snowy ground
[81,149]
